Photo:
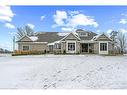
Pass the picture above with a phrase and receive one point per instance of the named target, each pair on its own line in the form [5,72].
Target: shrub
[78,53]
[45,51]
[19,52]
[64,52]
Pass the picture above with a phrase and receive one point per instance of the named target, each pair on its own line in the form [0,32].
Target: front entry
[84,47]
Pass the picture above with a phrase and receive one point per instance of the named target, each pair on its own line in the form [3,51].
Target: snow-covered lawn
[63,71]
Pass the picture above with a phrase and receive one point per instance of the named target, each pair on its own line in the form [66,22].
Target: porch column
[80,48]
[88,47]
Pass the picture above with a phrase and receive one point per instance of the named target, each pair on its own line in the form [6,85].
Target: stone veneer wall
[33,46]
[96,47]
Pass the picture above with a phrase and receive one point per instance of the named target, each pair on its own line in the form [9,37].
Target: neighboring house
[79,41]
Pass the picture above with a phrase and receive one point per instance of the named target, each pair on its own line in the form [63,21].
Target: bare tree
[121,41]
[22,31]
[113,36]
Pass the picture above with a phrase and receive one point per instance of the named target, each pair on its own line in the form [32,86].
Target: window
[58,46]
[103,46]
[25,47]
[71,46]
[83,34]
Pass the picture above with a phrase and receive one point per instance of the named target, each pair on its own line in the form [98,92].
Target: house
[79,41]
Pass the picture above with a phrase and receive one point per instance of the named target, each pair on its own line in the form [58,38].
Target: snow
[63,72]
[51,43]
[54,43]
[33,38]
[63,33]
[75,33]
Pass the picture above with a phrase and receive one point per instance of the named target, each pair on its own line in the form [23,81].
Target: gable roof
[97,37]
[26,38]
[23,38]
[89,36]
[70,34]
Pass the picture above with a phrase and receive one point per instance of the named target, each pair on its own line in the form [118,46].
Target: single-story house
[79,41]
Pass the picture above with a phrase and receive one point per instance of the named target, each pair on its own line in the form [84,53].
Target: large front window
[71,46]
[103,46]
[25,48]
[58,46]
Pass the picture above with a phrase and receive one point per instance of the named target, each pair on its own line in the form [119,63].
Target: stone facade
[33,46]
[96,48]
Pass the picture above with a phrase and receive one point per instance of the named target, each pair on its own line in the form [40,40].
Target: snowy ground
[63,72]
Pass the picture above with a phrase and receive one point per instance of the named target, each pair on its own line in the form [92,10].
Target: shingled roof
[48,37]
[89,36]
[56,36]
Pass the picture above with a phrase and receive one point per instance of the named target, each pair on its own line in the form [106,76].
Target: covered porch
[87,47]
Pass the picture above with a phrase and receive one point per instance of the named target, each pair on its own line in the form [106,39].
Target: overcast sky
[60,18]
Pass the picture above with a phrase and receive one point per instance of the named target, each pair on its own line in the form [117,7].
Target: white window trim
[103,52]
[67,47]
[26,45]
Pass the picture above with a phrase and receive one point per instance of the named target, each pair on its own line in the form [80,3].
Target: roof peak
[79,30]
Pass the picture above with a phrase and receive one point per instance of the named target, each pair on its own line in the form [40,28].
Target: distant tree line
[5,51]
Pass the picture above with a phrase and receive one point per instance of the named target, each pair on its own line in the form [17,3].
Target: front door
[85,47]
